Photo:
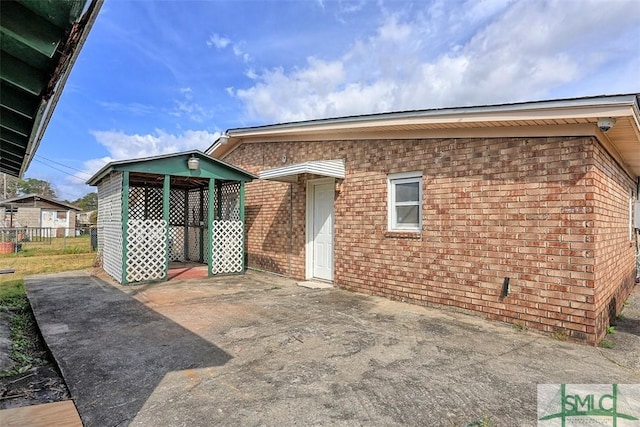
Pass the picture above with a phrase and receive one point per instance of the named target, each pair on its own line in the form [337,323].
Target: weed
[607,344]
[611,330]
[520,327]
[12,295]
[26,350]
[560,335]
[273,288]
[484,421]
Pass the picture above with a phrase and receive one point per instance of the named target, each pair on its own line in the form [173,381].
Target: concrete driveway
[259,350]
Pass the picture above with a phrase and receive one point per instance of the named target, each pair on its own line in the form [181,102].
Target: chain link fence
[48,240]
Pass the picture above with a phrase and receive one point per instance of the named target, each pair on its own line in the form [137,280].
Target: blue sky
[158,77]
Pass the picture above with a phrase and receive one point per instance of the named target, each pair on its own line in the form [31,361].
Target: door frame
[311,183]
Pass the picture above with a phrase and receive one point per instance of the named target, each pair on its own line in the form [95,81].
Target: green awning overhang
[40,41]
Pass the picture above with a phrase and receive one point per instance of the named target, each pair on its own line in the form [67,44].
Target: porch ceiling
[39,41]
[137,179]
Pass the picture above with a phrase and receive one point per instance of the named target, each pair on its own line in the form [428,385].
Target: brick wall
[614,276]
[532,210]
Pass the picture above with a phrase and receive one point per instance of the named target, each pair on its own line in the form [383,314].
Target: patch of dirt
[42,384]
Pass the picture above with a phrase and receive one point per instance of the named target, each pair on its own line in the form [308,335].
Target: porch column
[210,217]
[166,189]
[124,217]
[186,225]
[241,217]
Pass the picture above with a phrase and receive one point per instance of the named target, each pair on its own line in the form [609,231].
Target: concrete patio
[257,349]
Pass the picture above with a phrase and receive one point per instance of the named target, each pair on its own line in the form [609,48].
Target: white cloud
[450,54]
[121,145]
[134,108]
[190,109]
[124,146]
[218,41]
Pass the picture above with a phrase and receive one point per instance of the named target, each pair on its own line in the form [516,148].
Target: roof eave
[59,80]
[588,107]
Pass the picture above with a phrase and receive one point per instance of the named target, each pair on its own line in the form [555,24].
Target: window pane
[407,192]
[407,215]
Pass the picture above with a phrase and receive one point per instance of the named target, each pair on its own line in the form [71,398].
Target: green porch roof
[175,165]
[39,41]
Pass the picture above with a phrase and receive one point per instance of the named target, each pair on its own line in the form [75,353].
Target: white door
[322,238]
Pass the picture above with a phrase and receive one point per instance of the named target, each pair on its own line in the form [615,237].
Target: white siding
[110,224]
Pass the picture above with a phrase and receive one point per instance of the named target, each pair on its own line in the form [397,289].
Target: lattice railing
[227,247]
[146,250]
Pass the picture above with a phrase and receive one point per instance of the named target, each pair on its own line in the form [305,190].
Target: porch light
[193,163]
[224,138]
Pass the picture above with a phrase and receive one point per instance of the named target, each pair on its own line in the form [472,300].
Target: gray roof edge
[588,101]
[48,199]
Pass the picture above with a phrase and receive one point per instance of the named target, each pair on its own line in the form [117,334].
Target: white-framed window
[405,201]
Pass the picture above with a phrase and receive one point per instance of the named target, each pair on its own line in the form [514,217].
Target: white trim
[399,178]
[289,173]
[631,206]
[309,226]
[546,109]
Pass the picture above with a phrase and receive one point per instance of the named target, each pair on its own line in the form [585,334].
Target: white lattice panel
[227,247]
[146,250]
[110,224]
[193,243]
[112,250]
[176,244]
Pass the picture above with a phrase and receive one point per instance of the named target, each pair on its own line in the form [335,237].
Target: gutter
[573,103]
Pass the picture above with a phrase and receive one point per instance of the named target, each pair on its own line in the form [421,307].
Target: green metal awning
[40,41]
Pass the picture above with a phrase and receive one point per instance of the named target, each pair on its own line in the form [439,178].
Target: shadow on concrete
[112,350]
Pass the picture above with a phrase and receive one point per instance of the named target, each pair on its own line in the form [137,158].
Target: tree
[10,186]
[37,186]
[87,203]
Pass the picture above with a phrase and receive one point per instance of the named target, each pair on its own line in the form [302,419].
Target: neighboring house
[522,213]
[36,211]
[83,219]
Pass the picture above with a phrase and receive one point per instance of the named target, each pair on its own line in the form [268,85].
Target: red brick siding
[614,271]
[527,209]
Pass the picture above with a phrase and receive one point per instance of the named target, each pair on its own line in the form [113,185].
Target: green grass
[484,421]
[26,351]
[37,258]
[34,263]
[54,246]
